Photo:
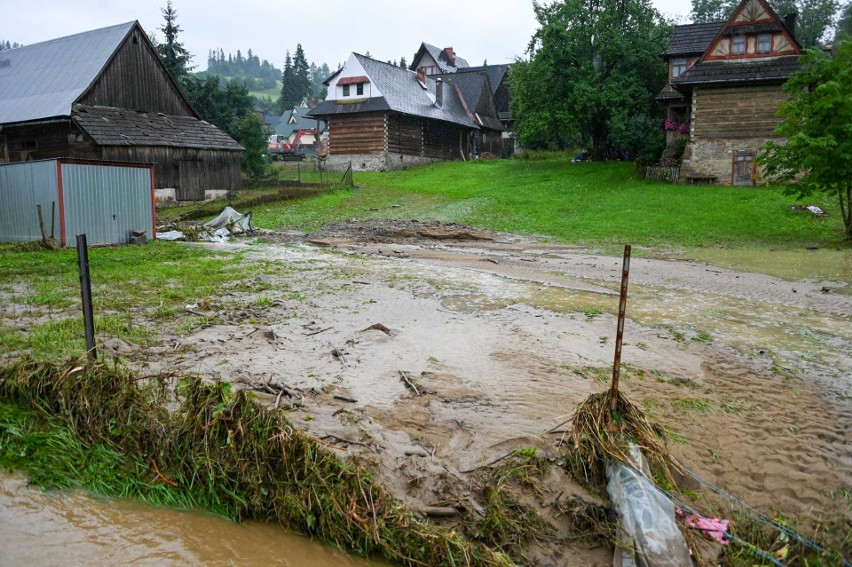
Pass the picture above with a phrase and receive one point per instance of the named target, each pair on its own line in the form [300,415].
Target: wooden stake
[86,292]
[622,307]
[41,225]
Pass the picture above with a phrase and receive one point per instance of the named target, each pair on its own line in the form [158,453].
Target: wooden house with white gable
[381,117]
[725,87]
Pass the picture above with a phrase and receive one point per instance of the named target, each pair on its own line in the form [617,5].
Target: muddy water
[70,528]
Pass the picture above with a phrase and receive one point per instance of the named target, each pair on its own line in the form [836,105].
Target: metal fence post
[619,335]
[86,293]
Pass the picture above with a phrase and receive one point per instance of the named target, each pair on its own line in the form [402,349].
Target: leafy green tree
[230,108]
[817,155]
[174,55]
[590,82]
[844,25]
[814,21]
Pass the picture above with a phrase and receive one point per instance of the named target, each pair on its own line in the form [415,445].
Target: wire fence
[307,173]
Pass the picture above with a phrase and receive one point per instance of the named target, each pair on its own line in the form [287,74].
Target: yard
[601,205]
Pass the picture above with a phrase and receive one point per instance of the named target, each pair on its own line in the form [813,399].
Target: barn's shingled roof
[121,127]
[44,79]
[692,39]
[496,73]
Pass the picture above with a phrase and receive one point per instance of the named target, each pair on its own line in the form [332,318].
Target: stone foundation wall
[715,158]
[373,162]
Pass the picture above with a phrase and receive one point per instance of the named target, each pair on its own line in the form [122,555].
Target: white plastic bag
[648,534]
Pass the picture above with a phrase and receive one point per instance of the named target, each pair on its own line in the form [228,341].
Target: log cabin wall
[405,135]
[445,141]
[360,134]
[45,141]
[189,171]
[135,80]
[736,113]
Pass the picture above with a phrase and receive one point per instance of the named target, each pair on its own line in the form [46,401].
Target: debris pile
[229,223]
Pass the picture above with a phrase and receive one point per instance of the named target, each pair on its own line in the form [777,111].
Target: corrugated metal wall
[106,202]
[22,187]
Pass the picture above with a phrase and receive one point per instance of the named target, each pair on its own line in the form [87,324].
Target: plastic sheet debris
[711,527]
[229,218]
[171,235]
[228,223]
[648,534]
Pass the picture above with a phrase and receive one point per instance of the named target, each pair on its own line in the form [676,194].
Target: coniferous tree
[301,71]
[174,55]
[403,64]
[289,94]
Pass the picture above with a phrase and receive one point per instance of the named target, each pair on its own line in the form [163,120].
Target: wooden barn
[105,95]
[475,92]
[725,88]
[381,117]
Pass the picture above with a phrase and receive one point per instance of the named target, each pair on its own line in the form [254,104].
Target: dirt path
[503,336]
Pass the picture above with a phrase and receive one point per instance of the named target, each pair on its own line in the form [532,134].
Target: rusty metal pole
[86,293]
[622,307]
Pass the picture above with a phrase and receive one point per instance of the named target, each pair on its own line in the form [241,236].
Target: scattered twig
[278,398]
[163,478]
[488,464]
[345,399]
[492,260]
[350,442]
[438,511]
[408,382]
[378,327]
[318,332]
[360,282]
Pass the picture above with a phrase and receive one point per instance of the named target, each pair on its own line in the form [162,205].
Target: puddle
[791,265]
[71,528]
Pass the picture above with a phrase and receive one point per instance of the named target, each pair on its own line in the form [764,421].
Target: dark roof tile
[692,39]
[765,69]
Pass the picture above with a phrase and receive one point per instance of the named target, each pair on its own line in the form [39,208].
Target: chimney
[790,23]
[439,92]
[451,55]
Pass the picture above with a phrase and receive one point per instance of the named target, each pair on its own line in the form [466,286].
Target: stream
[72,528]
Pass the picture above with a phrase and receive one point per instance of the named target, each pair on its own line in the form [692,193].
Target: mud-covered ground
[502,336]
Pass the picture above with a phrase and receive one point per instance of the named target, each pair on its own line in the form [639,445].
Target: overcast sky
[328,30]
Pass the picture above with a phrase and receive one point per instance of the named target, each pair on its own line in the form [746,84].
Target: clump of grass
[221,450]
[688,405]
[599,435]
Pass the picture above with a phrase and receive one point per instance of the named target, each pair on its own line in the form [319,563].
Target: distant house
[435,61]
[105,95]
[475,92]
[724,90]
[381,117]
[295,127]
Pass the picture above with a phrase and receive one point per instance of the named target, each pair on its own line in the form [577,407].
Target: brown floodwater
[72,528]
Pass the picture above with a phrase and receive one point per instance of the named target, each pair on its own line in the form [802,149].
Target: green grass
[594,204]
[135,289]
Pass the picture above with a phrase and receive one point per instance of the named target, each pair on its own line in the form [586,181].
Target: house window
[764,43]
[678,67]
[738,45]
[345,90]
[359,89]
[433,70]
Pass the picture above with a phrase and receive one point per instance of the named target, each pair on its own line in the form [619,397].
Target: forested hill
[255,73]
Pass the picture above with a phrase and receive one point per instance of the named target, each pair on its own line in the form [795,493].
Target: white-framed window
[359,89]
[764,43]
[345,90]
[738,44]
[678,66]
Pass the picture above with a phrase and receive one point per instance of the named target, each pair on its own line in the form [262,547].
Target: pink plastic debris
[713,527]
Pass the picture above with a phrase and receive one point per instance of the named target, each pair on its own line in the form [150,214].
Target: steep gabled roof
[296,119]
[475,90]
[441,58]
[496,73]
[401,92]
[44,79]
[692,39]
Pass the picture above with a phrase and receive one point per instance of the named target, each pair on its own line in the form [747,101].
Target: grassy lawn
[593,204]
[272,93]
[137,291]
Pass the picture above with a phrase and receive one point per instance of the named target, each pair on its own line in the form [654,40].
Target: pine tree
[301,73]
[289,95]
[403,64]
[174,55]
